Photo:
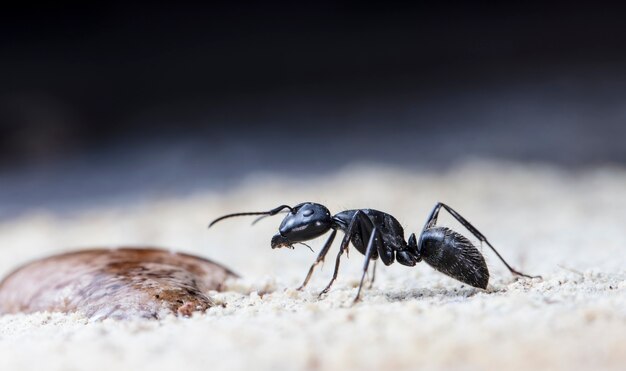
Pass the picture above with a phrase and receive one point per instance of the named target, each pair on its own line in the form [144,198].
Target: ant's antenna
[263,213]
[265,216]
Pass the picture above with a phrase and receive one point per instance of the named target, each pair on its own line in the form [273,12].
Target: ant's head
[304,222]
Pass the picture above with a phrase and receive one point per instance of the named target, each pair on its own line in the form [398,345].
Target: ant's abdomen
[454,255]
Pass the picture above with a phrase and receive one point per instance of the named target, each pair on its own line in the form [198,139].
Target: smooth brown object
[114,283]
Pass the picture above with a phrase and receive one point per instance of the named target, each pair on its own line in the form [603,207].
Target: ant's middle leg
[368,256]
[373,276]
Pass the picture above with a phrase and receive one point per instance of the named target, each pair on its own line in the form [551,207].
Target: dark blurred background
[113,101]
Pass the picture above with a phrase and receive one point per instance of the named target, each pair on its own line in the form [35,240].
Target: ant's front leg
[357,220]
[320,258]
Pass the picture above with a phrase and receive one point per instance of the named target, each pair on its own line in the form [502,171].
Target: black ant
[377,234]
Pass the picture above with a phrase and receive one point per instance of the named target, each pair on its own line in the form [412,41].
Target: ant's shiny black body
[376,235]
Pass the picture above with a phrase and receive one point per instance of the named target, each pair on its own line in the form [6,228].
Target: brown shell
[114,283]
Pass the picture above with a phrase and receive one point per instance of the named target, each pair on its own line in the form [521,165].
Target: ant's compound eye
[308,212]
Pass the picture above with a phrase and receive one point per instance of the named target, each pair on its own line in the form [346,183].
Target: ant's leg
[344,243]
[357,220]
[433,219]
[368,256]
[373,275]
[320,258]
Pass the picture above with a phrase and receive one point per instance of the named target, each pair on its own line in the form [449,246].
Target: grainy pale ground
[568,227]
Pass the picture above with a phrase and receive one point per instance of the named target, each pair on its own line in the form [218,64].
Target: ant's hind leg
[320,258]
[432,220]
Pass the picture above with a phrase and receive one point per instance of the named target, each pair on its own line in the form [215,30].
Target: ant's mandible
[377,234]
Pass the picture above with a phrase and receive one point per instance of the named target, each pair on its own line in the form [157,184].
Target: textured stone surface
[566,226]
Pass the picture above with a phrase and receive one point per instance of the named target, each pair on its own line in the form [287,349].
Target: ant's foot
[526,275]
[325,291]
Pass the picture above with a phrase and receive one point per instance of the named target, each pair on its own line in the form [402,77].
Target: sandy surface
[568,227]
